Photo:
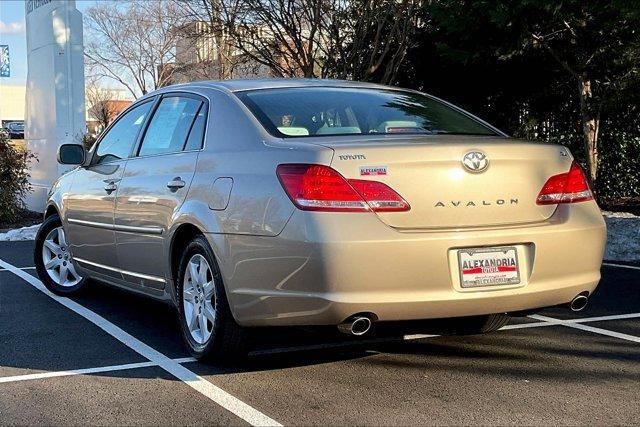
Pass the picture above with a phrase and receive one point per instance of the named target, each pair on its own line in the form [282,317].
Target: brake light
[321,188]
[569,187]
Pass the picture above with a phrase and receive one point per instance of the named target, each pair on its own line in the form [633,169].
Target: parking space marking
[216,394]
[588,328]
[603,318]
[226,400]
[545,321]
[86,371]
[21,268]
[632,267]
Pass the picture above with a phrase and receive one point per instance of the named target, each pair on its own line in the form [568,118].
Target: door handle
[176,183]
[110,187]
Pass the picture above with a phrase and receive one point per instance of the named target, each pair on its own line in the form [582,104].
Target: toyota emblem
[475,161]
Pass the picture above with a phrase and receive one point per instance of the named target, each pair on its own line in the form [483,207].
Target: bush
[619,168]
[87,141]
[14,180]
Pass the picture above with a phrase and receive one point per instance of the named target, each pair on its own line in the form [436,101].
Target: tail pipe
[355,325]
[579,302]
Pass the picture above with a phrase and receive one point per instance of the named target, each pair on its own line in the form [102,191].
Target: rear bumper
[325,267]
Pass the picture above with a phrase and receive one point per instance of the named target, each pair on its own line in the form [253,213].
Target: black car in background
[15,130]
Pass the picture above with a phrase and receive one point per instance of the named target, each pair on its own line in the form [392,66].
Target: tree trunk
[590,125]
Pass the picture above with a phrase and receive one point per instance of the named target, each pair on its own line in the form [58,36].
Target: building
[102,106]
[12,103]
[201,54]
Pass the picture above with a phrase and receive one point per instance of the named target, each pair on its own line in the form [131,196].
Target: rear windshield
[322,111]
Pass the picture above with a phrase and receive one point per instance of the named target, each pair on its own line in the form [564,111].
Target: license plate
[488,267]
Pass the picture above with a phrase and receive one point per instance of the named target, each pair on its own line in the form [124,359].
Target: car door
[91,200]
[154,186]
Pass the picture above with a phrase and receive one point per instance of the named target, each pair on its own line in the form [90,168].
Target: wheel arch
[179,239]
[182,235]
[51,209]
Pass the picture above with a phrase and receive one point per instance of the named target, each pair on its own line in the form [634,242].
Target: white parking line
[219,395]
[550,322]
[216,394]
[86,371]
[588,328]
[21,268]
[631,267]
[603,318]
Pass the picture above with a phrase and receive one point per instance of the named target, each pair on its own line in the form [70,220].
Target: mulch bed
[623,204]
[25,219]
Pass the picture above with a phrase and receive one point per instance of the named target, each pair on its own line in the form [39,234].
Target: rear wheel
[207,325]
[54,262]
[477,324]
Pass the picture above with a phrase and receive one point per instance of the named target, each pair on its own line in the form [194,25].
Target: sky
[12,33]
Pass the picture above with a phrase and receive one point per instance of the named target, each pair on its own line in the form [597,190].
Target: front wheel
[54,262]
[207,325]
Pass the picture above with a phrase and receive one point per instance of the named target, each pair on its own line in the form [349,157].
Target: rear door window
[170,125]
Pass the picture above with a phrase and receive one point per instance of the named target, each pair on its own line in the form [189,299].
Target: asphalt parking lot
[108,357]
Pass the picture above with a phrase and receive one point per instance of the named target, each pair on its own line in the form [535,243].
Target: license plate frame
[493,280]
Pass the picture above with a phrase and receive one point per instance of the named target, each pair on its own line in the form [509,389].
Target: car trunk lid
[428,172]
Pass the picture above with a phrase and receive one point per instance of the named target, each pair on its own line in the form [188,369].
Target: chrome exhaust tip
[579,303]
[357,326]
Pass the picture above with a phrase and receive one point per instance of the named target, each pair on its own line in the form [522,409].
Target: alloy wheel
[198,299]
[57,259]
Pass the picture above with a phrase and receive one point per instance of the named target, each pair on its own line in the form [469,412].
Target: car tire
[53,260]
[477,324]
[220,339]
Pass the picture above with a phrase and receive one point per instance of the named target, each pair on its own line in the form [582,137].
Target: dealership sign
[32,5]
[5,66]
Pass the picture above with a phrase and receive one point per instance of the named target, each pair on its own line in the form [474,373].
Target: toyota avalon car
[316,202]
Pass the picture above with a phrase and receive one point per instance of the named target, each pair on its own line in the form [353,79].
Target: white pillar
[55,112]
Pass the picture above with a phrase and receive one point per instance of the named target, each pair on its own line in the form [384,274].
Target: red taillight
[570,187]
[320,188]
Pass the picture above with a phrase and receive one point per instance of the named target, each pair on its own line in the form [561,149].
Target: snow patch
[623,236]
[24,233]
[608,214]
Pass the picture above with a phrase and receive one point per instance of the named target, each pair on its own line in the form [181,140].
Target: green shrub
[619,167]
[14,180]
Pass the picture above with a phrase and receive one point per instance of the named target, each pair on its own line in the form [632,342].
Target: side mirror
[71,154]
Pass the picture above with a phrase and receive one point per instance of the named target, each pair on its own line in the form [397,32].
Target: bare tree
[593,43]
[101,107]
[283,35]
[133,42]
[368,40]
[359,39]
[204,20]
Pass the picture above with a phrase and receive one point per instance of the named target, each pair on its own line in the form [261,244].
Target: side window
[194,141]
[118,142]
[170,125]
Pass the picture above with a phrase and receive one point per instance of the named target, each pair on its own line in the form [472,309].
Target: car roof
[238,85]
